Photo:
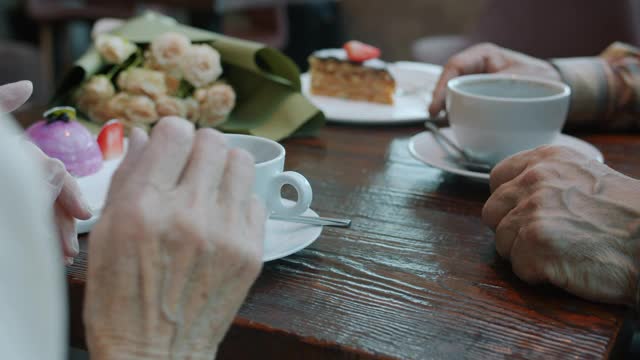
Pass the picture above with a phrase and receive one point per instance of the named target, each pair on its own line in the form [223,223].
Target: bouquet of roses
[171,76]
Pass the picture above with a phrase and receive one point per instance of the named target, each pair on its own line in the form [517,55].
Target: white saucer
[281,238]
[285,238]
[424,148]
[415,82]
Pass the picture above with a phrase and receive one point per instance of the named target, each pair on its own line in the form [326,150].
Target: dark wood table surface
[415,277]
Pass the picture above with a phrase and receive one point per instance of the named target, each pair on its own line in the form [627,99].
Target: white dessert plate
[424,147]
[281,238]
[414,83]
[94,189]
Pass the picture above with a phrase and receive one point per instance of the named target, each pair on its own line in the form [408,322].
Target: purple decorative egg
[70,142]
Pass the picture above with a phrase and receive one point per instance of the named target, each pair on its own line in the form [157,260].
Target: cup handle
[303,188]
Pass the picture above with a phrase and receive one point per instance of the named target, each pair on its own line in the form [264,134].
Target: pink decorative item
[61,137]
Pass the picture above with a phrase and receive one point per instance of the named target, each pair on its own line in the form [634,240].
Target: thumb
[13,95]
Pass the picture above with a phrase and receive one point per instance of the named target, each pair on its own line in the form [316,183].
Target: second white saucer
[425,148]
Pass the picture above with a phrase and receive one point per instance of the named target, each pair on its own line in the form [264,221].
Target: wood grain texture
[415,277]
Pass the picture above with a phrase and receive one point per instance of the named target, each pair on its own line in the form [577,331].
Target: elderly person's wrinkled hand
[568,220]
[177,247]
[488,58]
[64,194]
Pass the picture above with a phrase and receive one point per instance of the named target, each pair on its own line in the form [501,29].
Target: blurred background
[39,39]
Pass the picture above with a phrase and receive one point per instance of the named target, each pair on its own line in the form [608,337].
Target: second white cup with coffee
[494,116]
[270,175]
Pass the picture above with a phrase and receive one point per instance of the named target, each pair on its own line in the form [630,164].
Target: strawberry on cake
[353,72]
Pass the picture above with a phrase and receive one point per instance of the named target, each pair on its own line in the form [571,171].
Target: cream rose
[113,108]
[168,49]
[216,102]
[97,89]
[118,103]
[101,112]
[143,82]
[170,106]
[141,109]
[200,65]
[114,49]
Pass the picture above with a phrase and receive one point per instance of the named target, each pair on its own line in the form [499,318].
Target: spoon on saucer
[459,155]
[309,220]
[313,220]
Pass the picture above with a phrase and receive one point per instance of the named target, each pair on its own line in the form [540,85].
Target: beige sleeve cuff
[589,79]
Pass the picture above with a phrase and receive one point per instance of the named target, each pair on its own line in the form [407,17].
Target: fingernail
[68,261]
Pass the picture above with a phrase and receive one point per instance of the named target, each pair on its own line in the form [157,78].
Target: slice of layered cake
[353,73]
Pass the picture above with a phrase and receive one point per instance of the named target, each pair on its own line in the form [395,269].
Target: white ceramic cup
[494,116]
[270,177]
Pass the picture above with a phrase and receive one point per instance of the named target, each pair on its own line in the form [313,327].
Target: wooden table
[415,277]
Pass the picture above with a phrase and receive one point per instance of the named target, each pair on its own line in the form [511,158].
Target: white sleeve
[33,311]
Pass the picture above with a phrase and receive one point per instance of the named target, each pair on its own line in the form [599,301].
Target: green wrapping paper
[267,83]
